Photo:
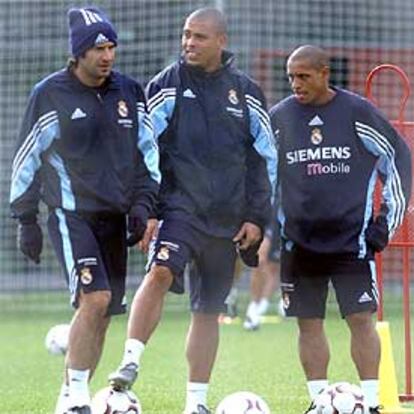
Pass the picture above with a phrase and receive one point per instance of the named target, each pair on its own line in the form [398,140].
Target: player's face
[96,65]
[309,84]
[202,44]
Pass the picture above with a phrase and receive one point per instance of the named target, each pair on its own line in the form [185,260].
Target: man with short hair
[333,144]
[87,150]
[219,164]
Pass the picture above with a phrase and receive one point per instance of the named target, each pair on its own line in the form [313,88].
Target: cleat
[85,409]
[374,410]
[201,409]
[124,377]
[250,325]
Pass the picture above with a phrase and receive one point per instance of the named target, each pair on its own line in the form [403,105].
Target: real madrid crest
[122,109]
[86,276]
[164,253]
[233,97]
[316,136]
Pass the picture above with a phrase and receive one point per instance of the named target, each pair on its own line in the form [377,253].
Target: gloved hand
[376,234]
[30,240]
[136,229]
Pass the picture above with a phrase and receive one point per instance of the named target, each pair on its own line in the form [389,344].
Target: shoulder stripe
[261,114]
[384,147]
[43,120]
[160,96]
[43,123]
[145,116]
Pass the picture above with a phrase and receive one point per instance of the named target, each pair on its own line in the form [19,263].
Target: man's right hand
[150,233]
[30,240]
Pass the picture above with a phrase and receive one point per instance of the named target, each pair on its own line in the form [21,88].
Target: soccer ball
[340,398]
[56,341]
[243,402]
[109,401]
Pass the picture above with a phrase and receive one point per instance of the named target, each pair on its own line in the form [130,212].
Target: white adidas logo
[188,93]
[316,121]
[90,17]
[77,114]
[364,298]
[101,38]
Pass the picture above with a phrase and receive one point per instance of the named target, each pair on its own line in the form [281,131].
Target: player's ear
[222,40]
[326,72]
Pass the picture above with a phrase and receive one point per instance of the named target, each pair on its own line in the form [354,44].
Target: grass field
[265,361]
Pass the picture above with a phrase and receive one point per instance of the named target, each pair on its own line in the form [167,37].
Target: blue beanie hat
[89,27]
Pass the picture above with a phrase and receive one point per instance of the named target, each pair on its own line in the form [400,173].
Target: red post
[406,244]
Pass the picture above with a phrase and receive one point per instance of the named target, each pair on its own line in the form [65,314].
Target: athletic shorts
[93,253]
[305,277]
[211,263]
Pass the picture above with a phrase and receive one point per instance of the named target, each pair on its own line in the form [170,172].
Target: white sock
[63,400]
[263,306]
[252,309]
[196,395]
[133,351]
[316,386]
[78,387]
[370,389]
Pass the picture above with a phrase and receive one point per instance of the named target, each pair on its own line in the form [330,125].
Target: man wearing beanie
[86,149]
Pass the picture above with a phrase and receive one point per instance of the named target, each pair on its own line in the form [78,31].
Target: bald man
[333,145]
[218,163]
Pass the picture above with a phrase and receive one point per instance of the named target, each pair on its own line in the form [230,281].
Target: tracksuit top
[329,159]
[86,150]
[217,152]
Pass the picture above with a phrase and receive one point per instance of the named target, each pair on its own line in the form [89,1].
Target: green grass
[265,361]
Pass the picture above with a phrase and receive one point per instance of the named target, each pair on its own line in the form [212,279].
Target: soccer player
[218,162]
[87,150]
[333,144]
[264,278]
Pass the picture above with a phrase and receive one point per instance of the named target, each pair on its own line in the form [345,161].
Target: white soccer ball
[57,339]
[109,401]
[340,398]
[243,402]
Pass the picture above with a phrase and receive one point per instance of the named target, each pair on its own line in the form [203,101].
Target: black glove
[30,240]
[249,256]
[136,229]
[376,234]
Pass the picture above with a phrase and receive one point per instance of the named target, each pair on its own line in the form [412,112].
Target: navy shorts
[93,253]
[305,277]
[211,263]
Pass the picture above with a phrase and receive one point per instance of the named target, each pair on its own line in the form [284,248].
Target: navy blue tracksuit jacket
[217,153]
[329,159]
[85,150]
